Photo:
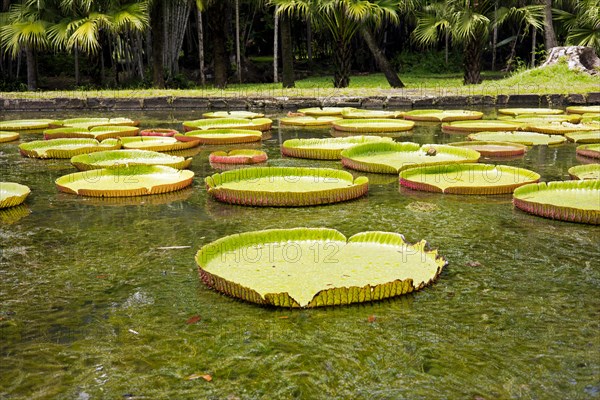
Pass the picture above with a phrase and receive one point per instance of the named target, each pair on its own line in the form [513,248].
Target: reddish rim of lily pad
[242,156]
[159,132]
[493,149]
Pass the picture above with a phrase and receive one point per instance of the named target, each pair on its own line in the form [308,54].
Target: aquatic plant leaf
[159,132]
[442,115]
[391,158]
[493,149]
[479,126]
[6,136]
[65,148]
[585,137]
[89,123]
[314,267]
[308,120]
[575,201]
[120,158]
[12,194]
[25,124]
[285,186]
[260,124]
[240,156]
[325,149]
[589,171]
[526,119]
[473,178]
[583,109]
[561,128]
[355,113]
[525,138]
[233,114]
[373,125]
[221,136]
[138,180]
[96,132]
[156,143]
[536,111]
[589,150]
[323,111]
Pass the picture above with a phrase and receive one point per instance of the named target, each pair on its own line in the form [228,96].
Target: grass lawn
[557,79]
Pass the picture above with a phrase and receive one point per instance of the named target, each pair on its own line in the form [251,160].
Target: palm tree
[581,21]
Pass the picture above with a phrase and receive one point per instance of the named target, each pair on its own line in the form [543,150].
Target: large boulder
[577,57]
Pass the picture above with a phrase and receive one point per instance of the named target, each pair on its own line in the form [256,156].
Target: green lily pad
[323,111]
[391,158]
[493,149]
[25,124]
[96,132]
[240,156]
[584,137]
[65,148]
[308,121]
[325,149]
[442,115]
[259,124]
[89,123]
[575,201]
[12,194]
[479,126]
[156,143]
[233,114]
[354,113]
[137,180]
[589,171]
[6,136]
[221,136]
[536,111]
[589,150]
[479,179]
[561,128]
[532,119]
[526,138]
[590,118]
[159,132]
[373,125]
[285,186]
[313,267]
[583,109]
[123,158]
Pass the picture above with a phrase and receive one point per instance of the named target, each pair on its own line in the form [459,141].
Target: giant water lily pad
[6,136]
[473,178]
[125,158]
[156,143]
[89,123]
[240,156]
[536,111]
[285,186]
[65,148]
[323,111]
[442,115]
[25,124]
[259,124]
[391,158]
[531,119]
[12,194]
[164,132]
[137,180]
[325,149]
[373,125]
[576,201]
[525,138]
[96,132]
[583,109]
[493,149]
[561,128]
[233,114]
[308,120]
[584,137]
[589,150]
[221,136]
[589,171]
[479,126]
[312,267]
[354,113]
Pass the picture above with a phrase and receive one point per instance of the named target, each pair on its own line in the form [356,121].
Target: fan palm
[581,20]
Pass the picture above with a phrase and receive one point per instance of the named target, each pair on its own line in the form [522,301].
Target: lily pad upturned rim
[469,169]
[21,125]
[323,111]
[8,136]
[91,122]
[510,149]
[221,136]
[233,114]
[437,115]
[584,137]
[577,171]
[156,143]
[583,109]
[238,156]
[326,297]
[521,137]
[86,162]
[525,119]
[562,128]
[159,132]
[132,176]
[530,110]
[12,194]
[97,132]
[359,113]
[293,147]
[52,148]
[250,197]
[349,156]
[207,124]
[373,125]
[524,199]
[478,126]
[589,150]
[309,120]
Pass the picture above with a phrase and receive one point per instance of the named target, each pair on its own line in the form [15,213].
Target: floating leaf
[479,126]
[442,115]
[25,124]
[323,111]
[308,121]
[65,148]
[525,138]
[583,109]
[233,114]
[325,149]
[373,125]
[240,156]
[260,124]
[120,158]
[156,143]
[493,149]
[12,194]
[354,113]
[586,137]
[6,136]
[159,132]
[96,132]
[589,171]
[536,111]
[221,136]
[589,150]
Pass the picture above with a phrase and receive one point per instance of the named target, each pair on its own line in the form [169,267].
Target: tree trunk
[76,56]
[238,59]
[382,61]
[157,28]
[31,69]
[342,61]
[275,41]
[201,48]
[287,53]
[549,35]
[219,39]
[494,37]
[472,62]
[5,5]
[309,49]
[533,44]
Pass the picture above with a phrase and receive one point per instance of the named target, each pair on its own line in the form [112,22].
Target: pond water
[100,298]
